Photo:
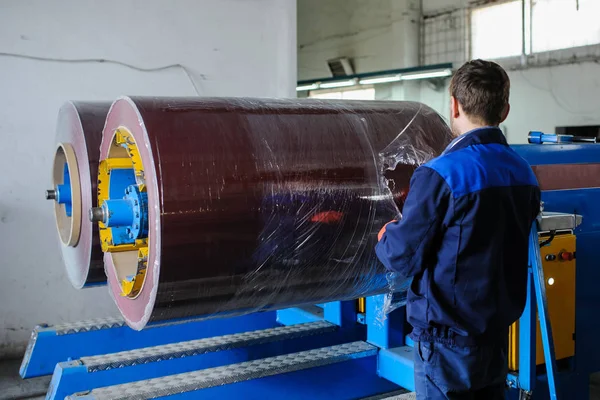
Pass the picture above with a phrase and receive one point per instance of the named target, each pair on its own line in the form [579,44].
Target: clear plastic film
[407,149]
[259,204]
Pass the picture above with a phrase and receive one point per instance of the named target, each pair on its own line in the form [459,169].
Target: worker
[463,238]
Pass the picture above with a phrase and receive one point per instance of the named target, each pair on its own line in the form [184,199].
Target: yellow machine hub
[122,214]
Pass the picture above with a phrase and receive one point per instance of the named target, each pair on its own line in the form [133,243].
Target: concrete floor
[13,387]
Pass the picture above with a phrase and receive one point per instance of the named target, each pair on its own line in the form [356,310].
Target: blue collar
[484,135]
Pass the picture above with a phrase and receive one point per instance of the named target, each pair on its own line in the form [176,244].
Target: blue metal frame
[299,315]
[357,377]
[47,348]
[558,153]
[384,331]
[587,297]
[72,376]
[349,379]
[388,332]
[342,313]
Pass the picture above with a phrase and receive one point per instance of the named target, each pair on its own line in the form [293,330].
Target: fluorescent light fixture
[314,86]
[427,75]
[382,79]
[331,85]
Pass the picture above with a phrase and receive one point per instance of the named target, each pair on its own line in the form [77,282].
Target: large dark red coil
[257,204]
[79,128]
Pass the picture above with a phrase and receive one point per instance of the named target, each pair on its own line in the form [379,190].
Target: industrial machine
[344,349]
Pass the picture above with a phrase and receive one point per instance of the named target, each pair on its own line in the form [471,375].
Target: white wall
[541,97]
[231,48]
[358,29]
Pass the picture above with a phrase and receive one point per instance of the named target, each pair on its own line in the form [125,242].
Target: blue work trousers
[460,373]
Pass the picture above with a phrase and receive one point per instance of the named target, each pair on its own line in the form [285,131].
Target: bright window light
[496,30]
[360,94]
[326,95]
[558,24]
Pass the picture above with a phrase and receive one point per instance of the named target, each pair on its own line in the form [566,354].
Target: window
[351,94]
[496,30]
[560,24]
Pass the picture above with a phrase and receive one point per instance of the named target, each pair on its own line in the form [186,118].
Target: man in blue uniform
[463,238]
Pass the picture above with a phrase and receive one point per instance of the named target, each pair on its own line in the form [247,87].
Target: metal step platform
[51,344]
[97,371]
[340,371]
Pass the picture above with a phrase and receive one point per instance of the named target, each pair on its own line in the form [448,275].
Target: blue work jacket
[463,237]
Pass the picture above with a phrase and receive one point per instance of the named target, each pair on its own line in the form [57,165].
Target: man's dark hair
[482,89]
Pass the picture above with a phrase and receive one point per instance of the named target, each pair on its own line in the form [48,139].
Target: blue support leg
[544,316]
[384,331]
[341,313]
[527,340]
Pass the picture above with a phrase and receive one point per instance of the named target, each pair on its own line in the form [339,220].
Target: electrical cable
[104,60]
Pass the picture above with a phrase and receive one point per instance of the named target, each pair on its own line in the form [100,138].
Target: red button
[566,256]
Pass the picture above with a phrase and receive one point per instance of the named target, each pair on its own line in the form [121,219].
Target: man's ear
[505,112]
[454,107]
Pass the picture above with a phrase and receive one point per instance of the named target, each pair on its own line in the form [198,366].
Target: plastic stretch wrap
[257,204]
[80,127]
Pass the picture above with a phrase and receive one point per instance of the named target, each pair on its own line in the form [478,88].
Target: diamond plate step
[202,346]
[188,382]
[405,396]
[88,325]
[400,394]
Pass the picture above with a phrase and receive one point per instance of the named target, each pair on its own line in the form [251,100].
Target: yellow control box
[558,260]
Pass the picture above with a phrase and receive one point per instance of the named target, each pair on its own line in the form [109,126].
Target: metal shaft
[51,194]
[97,214]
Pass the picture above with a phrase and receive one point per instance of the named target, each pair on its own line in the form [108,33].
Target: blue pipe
[537,137]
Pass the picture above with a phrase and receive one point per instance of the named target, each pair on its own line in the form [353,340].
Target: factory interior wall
[541,97]
[229,48]
[358,29]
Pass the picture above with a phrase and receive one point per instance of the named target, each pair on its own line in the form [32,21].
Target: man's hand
[382,231]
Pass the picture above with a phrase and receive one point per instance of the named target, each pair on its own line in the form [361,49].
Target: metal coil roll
[252,204]
[74,177]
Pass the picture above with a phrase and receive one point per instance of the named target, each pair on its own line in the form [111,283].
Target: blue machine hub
[63,192]
[127,216]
